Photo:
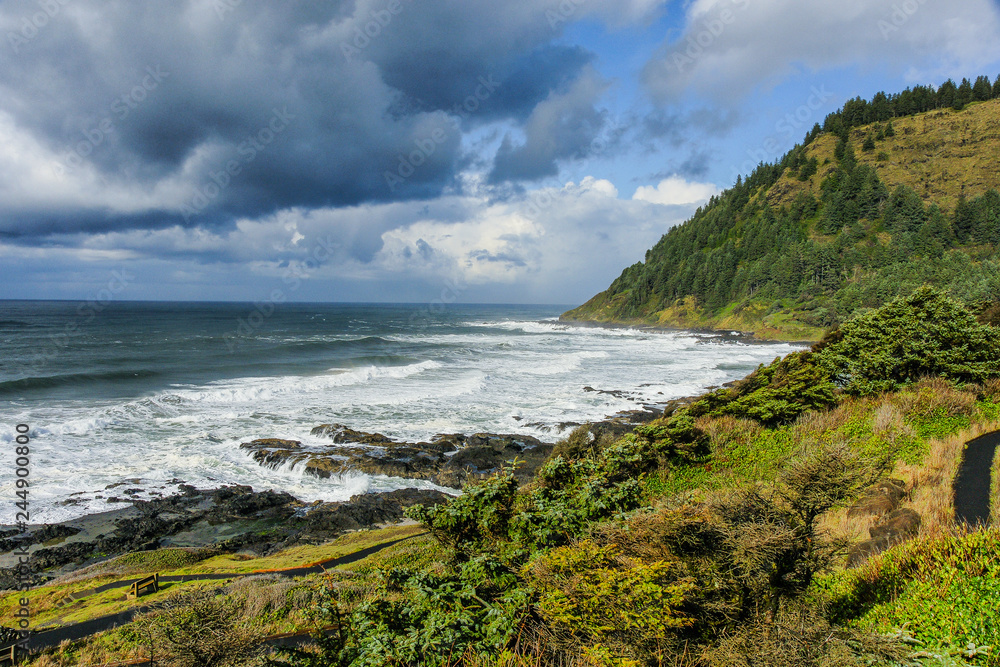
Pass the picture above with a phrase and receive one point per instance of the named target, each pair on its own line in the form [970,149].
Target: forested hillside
[886,195]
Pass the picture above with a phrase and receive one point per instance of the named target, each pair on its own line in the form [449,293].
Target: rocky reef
[449,459]
[229,519]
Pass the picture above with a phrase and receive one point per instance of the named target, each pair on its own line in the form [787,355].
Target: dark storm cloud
[202,111]
[563,127]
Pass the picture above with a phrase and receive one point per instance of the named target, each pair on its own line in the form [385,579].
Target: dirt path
[972,483]
[52,637]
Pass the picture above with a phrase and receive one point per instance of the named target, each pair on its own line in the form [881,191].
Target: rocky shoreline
[229,519]
[237,519]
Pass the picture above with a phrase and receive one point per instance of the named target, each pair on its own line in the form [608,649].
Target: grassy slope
[45,600]
[941,154]
[922,427]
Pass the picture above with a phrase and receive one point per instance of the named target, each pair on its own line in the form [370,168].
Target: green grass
[44,600]
[944,592]
[301,556]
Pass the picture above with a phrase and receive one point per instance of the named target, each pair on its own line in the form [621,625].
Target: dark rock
[879,499]
[47,533]
[269,520]
[617,393]
[341,434]
[898,526]
[278,442]
[450,459]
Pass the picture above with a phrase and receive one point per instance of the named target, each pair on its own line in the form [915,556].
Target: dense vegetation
[703,538]
[799,245]
[717,534]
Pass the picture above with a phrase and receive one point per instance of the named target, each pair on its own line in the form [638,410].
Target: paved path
[973,481]
[52,637]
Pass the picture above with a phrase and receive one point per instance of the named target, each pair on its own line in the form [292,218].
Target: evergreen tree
[982,90]
[869,144]
[963,95]
[946,94]
[904,211]
[964,222]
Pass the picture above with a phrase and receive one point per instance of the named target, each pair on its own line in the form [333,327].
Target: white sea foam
[511,376]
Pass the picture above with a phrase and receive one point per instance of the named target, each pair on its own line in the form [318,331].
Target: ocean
[140,397]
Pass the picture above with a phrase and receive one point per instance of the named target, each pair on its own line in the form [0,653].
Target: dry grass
[935,395]
[933,496]
[270,594]
[838,524]
[728,429]
[811,427]
[940,154]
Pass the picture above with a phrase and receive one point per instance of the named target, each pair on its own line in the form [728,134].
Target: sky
[509,151]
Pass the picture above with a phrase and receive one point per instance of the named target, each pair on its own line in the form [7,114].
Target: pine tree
[946,94]
[982,90]
[963,95]
[869,144]
[964,221]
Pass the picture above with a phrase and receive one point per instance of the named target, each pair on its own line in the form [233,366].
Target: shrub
[774,394]
[592,594]
[926,333]
[802,639]
[779,393]
[430,619]
[476,519]
[197,629]
[942,590]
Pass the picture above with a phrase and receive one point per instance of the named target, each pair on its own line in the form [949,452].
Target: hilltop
[885,196]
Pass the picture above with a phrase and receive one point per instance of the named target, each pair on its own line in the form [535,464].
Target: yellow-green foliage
[418,553]
[933,153]
[594,592]
[943,591]
[995,490]
[897,426]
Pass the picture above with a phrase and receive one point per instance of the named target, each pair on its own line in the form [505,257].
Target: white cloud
[729,47]
[676,190]
[557,244]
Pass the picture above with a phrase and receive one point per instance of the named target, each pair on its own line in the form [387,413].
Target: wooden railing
[9,655]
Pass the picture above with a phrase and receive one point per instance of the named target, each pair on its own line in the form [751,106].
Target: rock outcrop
[230,518]
[448,460]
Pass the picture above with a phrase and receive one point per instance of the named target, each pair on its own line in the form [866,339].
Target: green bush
[927,333]
[774,394]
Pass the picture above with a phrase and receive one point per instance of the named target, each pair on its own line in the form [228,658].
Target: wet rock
[448,460]
[362,511]
[341,434]
[617,393]
[258,521]
[13,539]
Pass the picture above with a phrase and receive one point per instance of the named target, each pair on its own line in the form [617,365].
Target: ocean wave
[255,389]
[559,363]
[72,380]
[551,326]
[18,324]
